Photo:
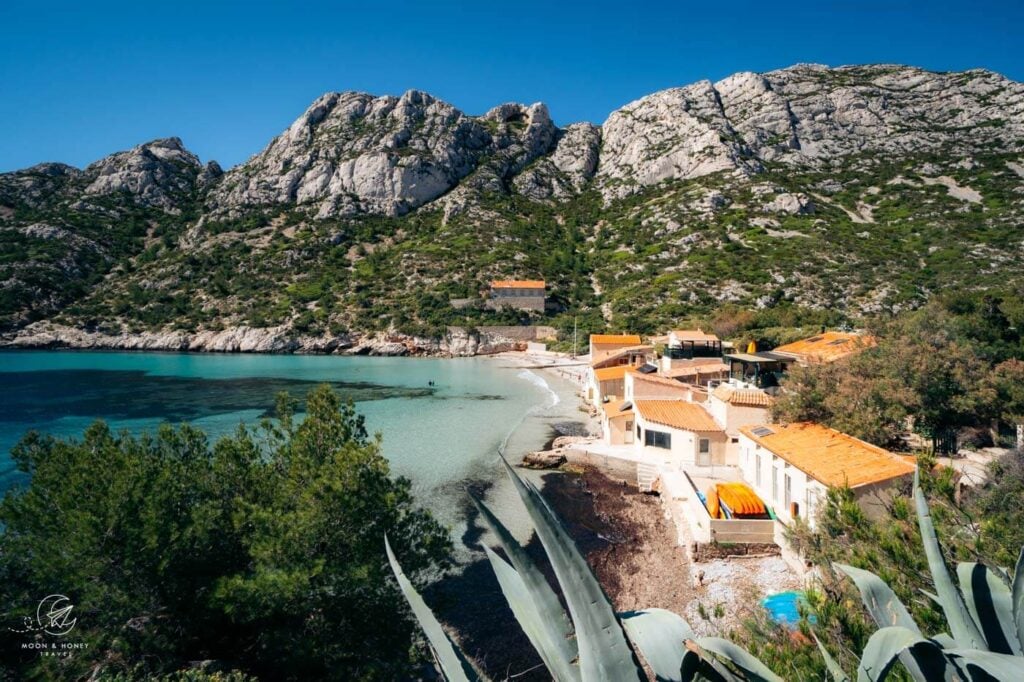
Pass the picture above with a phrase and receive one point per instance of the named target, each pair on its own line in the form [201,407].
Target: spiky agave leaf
[834,669]
[885,607]
[887,644]
[659,635]
[454,665]
[990,604]
[604,653]
[553,638]
[752,667]
[699,667]
[961,625]
[1018,597]
[987,665]
[533,623]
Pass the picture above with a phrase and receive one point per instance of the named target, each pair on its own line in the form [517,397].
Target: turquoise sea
[444,436]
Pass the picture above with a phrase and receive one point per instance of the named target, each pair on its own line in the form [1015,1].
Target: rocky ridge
[725,172]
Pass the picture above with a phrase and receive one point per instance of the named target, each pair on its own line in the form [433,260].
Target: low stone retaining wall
[713,550]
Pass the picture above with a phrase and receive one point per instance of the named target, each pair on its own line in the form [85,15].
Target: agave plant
[590,643]
[985,618]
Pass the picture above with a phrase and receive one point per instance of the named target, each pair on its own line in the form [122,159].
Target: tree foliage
[261,553]
[935,367]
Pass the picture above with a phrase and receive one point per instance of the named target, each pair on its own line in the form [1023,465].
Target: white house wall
[684,445]
[804,490]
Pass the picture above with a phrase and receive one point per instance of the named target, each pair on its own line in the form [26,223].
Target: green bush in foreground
[260,553]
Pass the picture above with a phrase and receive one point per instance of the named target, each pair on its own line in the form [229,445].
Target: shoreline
[455,342]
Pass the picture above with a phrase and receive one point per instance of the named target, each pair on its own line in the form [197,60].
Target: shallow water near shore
[444,436]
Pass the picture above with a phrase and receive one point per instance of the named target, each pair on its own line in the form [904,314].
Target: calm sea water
[443,436]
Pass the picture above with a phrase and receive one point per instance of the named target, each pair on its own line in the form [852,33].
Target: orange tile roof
[615,339]
[829,456]
[611,373]
[713,367]
[747,397]
[693,335]
[657,379]
[517,284]
[827,347]
[613,408]
[677,414]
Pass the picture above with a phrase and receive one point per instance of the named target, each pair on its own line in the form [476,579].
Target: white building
[677,433]
[734,408]
[642,385]
[792,466]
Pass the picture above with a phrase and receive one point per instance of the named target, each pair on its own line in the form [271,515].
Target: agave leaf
[944,640]
[533,623]
[697,666]
[884,648]
[1003,574]
[604,653]
[453,663]
[885,607]
[659,635]
[990,604]
[1018,597]
[834,669]
[552,634]
[752,667]
[988,665]
[961,625]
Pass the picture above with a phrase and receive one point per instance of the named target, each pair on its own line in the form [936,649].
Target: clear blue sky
[83,79]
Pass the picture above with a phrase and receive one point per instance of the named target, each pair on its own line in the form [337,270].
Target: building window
[638,432]
[757,471]
[658,439]
[775,485]
[705,446]
[787,489]
[811,501]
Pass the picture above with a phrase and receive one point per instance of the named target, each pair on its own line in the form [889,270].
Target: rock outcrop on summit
[805,115]
[355,153]
[159,173]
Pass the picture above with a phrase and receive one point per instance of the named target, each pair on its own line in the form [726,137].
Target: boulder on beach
[546,459]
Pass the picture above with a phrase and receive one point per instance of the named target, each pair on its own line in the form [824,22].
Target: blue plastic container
[783,607]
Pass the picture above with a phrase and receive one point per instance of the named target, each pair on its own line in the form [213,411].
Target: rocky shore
[456,342]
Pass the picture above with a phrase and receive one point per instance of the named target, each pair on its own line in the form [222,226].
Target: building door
[703,452]
[628,435]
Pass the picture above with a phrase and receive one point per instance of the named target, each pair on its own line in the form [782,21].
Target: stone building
[521,294]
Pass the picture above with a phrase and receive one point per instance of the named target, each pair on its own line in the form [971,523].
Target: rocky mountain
[854,189]
[353,153]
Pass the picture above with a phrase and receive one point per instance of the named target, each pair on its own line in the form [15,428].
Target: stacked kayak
[734,501]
